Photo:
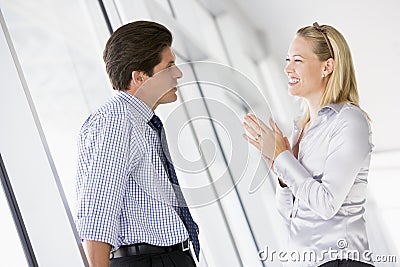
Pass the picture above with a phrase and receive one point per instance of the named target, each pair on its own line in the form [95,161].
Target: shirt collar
[143,110]
[336,107]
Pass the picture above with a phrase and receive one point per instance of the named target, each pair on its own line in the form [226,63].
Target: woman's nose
[288,68]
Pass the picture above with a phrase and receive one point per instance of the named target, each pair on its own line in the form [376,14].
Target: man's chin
[173,99]
[169,99]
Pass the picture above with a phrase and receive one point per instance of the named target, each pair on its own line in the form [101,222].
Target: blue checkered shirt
[123,193]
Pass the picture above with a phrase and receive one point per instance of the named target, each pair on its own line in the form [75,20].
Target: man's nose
[177,72]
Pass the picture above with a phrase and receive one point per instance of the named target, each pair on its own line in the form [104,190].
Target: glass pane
[205,34]
[11,250]
[198,162]
[60,51]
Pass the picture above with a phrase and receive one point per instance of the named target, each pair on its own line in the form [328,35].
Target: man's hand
[97,253]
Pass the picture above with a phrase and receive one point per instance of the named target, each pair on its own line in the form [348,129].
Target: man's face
[161,87]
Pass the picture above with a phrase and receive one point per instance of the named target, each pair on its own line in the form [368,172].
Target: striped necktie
[182,208]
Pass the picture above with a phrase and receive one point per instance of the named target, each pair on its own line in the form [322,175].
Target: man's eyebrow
[172,62]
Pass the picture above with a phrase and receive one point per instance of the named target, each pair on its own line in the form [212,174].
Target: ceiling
[371,29]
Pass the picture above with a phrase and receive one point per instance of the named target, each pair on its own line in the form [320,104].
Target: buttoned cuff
[291,171]
[284,201]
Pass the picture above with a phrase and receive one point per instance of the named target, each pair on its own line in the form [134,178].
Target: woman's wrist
[278,151]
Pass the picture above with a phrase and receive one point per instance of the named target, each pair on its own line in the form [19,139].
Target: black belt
[141,249]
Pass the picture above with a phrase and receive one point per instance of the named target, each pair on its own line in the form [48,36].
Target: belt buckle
[183,246]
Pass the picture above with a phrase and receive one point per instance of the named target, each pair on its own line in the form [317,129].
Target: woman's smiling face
[304,69]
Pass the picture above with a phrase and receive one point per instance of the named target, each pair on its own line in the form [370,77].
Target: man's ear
[329,66]
[138,78]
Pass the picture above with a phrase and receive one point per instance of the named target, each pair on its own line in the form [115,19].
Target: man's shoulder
[115,108]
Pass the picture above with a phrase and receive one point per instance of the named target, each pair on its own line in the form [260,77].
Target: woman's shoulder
[353,123]
[352,120]
[352,113]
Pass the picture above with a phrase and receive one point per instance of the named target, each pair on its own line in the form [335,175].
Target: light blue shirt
[123,193]
[323,204]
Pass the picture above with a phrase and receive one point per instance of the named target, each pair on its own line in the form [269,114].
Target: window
[11,245]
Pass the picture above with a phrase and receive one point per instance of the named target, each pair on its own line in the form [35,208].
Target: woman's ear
[329,66]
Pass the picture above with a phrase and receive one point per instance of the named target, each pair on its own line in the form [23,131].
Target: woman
[323,172]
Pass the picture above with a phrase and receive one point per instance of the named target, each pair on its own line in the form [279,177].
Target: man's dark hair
[135,46]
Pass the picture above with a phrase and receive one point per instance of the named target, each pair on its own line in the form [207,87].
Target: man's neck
[136,93]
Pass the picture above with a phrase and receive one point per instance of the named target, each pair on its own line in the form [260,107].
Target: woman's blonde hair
[342,85]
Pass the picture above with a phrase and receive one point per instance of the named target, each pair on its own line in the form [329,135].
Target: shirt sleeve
[105,149]
[349,146]
[284,202]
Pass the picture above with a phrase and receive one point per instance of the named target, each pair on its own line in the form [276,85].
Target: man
[130,209]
